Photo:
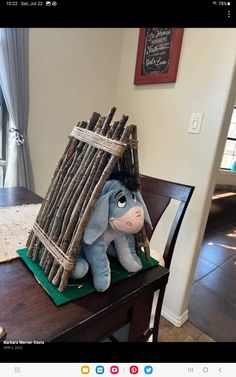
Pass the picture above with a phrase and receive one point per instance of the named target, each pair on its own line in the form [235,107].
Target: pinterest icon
[133,369]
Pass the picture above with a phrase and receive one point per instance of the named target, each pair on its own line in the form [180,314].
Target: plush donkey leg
[99,264]
[81,267]
[126,253]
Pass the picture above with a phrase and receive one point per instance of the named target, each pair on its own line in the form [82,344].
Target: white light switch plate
[195,123]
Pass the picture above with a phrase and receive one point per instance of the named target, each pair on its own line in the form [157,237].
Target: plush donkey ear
[98,221]
[146,214]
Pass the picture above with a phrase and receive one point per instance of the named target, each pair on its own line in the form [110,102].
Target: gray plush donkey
[117,215]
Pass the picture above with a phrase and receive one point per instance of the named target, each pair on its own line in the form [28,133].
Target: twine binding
[114,147]
[63,259]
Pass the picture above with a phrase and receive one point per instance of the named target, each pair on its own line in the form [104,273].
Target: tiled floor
[212,306]
[169,333]
[185,333]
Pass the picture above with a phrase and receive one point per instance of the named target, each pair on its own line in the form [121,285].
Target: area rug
[15,225]
[82,287]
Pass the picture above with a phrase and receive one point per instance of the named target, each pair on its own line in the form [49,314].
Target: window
[229,155]
[3,142]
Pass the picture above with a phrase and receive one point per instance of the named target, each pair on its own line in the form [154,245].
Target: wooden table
[28,313]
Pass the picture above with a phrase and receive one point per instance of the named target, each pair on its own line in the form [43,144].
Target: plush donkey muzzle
[130,223]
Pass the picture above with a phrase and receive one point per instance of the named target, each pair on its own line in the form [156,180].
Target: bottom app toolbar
[119,369]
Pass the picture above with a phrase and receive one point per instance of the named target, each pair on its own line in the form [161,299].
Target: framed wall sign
[158,55]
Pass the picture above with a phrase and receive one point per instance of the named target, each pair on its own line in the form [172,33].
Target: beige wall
[162,113]
[76,71]
[73,72]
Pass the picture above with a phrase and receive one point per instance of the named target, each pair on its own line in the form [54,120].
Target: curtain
[14,81]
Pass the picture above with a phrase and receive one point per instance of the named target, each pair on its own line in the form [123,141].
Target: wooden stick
[50,190]
[68,148]
[89,154]
[73,188]
[73,248]
[89,125]
[57,230]
[53,227]
[91,164]
[80,199]
[51,200]
[142,235]
[114,132]
[80,145]
[93,178]
[72,144]
[41,218]
[73,192]
[96,168]
[84,218]
[46,216]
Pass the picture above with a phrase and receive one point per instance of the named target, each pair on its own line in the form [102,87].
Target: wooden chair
[158,194]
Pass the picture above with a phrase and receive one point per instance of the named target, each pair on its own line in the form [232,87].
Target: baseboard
[177,321]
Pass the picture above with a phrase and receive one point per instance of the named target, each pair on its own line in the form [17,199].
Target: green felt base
[82,287]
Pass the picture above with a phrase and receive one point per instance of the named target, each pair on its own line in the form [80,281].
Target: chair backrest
[157,194]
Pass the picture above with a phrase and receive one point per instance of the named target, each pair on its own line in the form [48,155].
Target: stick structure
[94,149]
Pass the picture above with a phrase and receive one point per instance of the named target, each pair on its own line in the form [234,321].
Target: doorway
[212,305]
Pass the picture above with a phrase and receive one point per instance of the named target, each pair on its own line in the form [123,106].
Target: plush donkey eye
[134,197]
[121,202]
